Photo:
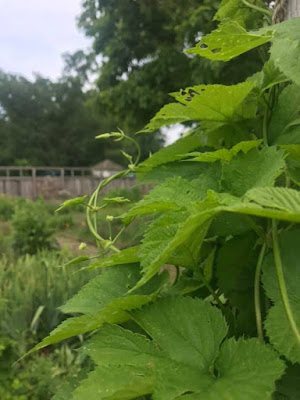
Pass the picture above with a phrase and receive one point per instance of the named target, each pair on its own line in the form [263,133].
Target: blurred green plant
[7,207]
[32,228]
[41,376]
[32,287]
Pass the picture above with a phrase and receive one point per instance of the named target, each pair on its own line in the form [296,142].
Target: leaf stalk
[281,282]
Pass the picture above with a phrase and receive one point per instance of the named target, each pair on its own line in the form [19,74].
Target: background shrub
[7,207]
[32,226]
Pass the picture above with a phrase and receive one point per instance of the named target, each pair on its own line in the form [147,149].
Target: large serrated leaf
[280,198]
[209,175]
[176,326]
[285,51]
[222,202]
[173,194]
[172,240]
[229,40]
[115,383]
[207,102]
[224,154]
[170,153]
[185,357]
[175,238]
[268,77]
[254,169]
[285,123]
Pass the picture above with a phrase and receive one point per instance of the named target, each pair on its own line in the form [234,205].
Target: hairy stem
[269,13]
[137,146]
[281,282]
[265,127]
[259,327]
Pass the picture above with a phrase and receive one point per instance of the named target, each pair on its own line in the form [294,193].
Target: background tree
[142,43]
[48,123]
[138,58]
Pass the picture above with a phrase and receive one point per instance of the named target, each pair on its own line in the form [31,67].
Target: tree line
[137,57]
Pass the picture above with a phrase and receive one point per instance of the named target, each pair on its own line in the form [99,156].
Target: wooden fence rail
[53,182]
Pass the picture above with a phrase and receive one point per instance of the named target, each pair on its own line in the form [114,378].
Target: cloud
[34,34]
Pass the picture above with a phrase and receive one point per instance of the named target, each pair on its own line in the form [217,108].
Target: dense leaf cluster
[222,220]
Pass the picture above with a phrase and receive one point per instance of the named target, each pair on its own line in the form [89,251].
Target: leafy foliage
[142,51]
[240,12]
[185,356]
[222,220]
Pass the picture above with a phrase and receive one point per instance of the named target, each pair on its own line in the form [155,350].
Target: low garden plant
[207,306]
[32,288]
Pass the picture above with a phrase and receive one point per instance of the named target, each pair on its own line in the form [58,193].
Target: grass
[33,286]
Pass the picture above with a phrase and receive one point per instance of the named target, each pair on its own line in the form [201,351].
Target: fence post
[5,189]
[34,187]
[62,175]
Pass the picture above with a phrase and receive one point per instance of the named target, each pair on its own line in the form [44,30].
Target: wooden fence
[53,182]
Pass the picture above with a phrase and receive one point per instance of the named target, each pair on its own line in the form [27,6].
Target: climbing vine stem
[265,124]
[92,208]
[259,327]
[281,282]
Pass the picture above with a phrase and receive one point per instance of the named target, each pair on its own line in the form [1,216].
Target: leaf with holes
[212,102]
[229,40]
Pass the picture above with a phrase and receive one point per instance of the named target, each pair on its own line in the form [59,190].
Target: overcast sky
[34,34]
